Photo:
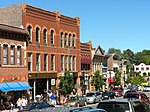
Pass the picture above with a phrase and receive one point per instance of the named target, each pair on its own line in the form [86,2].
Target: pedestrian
[53,99]
[23,102]
[19,101]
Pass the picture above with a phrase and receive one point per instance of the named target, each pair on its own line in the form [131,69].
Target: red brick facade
[11,39]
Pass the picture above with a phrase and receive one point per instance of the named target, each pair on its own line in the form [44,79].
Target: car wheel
[85,103]
[78,105]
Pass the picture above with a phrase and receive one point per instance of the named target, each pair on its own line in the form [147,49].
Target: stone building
[53,47]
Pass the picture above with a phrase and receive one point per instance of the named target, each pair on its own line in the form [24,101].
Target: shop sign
[10,78]
[53,82]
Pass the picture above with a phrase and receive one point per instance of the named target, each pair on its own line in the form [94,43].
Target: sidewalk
[14,110]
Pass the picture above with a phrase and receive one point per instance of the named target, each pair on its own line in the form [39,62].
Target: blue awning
[14,86]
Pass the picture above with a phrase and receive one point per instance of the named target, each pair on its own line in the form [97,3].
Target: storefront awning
[14,86]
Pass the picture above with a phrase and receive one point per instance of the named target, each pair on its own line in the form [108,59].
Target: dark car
[108,95]
[36,105]
[124,105]
[137,95]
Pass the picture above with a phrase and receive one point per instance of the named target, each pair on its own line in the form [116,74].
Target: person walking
[19,101]
[23,102]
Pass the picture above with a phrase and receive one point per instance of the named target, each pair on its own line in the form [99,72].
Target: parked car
[146,89]
[93,97]
[108,95]
[36,105]
[137,95]
[118,91]
[124,105]
[76,101]
[87,109]
[129,92]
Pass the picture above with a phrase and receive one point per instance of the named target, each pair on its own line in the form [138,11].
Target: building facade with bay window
[53,44]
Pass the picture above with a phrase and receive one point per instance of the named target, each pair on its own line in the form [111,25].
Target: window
[137,68]
[12,55]
[70,63]
[29,62]
[65,40]
[45,36]
[52,37]
[142,69]
[61,40]
[37,62]
[37,35]
[74,63]
[30,34]
[5,51]
[45,62]
[74,41]
[147,68]
[69,42]
[66,62]
[53,62]
[18,55]
[62,62]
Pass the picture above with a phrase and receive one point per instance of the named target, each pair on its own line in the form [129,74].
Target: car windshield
[114,106]
[90,94]
[132,96]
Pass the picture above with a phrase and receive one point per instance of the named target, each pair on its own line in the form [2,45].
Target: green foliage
[117,52]
[137,80]
[143,57]
[97,80]
[117,78]
[66,84]
[129,55]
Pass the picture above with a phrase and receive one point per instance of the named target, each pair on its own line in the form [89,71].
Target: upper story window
[70,63]
[45,62]
[52,37]
[65,40]
[12,55]
[147,68]
[37,62]
[142,68]
[73,41]
[30,34]
[45,36]
[37,35]
[67,62]
[69,40]
[29,62]
[137,68]
[62,62]
[5,56]
[53,62]
[18,55]
[74,62]
[61,40]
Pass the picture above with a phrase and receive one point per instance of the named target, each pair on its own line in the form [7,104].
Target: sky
[120,24]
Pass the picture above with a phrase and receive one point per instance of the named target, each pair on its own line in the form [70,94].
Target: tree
[117,78]
[129,55]
[137,80]
[97,80]
[117,52]
[66,84]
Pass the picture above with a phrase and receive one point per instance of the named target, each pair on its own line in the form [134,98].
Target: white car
[146,89]
[93,97]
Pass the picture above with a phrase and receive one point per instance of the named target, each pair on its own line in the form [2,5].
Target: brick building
[86,64]
[13,67]
[54,44]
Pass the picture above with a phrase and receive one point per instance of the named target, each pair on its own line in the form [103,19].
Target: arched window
[73,41]
[12,55]
[61,39]
[52,37]
[37,35]
[5,56]
[65,40]
[69,40]
[30,34]
[18,55]
[45,36]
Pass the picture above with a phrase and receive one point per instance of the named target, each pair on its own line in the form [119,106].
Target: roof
[8,28]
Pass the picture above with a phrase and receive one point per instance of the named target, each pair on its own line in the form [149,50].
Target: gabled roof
[99,51]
